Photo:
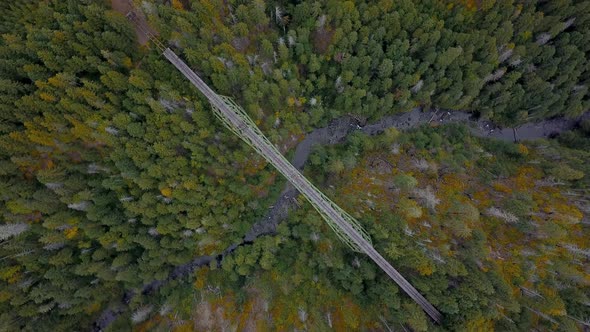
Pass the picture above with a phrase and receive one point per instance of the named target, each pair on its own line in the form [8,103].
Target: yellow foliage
[177,5]
[274,275]
[217,66]
[40,137]
[425,268]
[199,283]
[46,97]
[291,101]
[184,327]
[501,188]
[70,233]
[553,306]
[350,315]
[41,84]
[452,184]
[11,39]
[210,248]
[10,274]
[526,35]
[483,198]
[471,5]
[410,208]
[190,185]
[522,149]
[166,192]
[547,291]
[510,269]
[84,244]
[17,207]
[480,324]
[5,296]
[559,311]
[566,213]
[58,36]
[56,82]
[148,325]
[525,179]
[80,129]
[200,278]
[127,62]
[92,308]
[324,246]
[46,163]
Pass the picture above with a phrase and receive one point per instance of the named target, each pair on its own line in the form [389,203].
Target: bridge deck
[299,181]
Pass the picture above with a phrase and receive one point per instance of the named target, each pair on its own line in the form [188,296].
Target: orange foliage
[324,246]
[471,5]
[35,216]
[525,178]
[451,184]
[253,166]
[483,197]
[345,315]
[210,248]
[322,38]
[148,325]
[5,296]
[93,307]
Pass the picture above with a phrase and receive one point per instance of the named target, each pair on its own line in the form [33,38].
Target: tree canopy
[123,197]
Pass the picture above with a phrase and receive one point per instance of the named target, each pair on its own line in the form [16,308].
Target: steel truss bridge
[344,225]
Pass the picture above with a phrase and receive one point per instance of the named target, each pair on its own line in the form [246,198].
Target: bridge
[344,225]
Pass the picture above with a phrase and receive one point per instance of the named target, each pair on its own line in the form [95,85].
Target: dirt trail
[124,7]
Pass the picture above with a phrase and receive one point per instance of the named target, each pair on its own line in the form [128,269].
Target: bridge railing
[252,126]
[344,225]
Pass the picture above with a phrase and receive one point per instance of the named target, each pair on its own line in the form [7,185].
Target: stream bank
[336,132]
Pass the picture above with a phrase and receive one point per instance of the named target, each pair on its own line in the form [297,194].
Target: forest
[115,177]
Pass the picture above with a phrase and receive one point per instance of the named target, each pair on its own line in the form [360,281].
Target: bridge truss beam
[240,133]
[341,222]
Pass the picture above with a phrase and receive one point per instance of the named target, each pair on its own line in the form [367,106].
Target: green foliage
[404,182]
[114,173]
[467,255]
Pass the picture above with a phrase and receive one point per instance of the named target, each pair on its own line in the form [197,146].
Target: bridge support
[251,125]
[343,224]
